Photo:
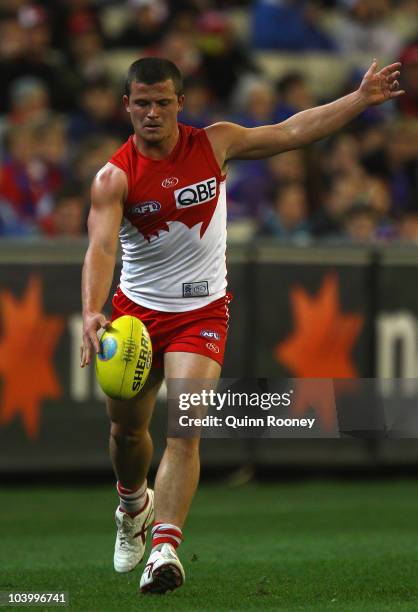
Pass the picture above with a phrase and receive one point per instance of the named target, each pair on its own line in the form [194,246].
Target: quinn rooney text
[237,422]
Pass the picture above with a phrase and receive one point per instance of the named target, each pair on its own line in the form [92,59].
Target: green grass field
[295,546]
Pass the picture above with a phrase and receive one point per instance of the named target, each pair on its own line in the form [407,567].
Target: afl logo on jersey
[145,207]
[195,194]
[170,182]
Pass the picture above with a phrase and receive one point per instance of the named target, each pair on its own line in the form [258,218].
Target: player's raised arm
[231,141]
[107,195]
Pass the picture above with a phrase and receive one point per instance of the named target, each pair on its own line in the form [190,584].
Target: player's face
[154,109]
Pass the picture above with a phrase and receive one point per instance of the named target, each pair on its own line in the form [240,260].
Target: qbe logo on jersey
[195,194]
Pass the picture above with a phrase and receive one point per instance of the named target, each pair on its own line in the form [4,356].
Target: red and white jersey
[173,233]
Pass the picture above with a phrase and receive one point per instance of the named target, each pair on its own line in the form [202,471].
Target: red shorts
[201,331]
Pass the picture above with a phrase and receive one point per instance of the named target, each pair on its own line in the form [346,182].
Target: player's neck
[157,150]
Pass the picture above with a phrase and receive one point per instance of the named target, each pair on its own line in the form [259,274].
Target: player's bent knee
[125,436]
[130,414]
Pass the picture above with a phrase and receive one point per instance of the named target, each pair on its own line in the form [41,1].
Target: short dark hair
[152,70]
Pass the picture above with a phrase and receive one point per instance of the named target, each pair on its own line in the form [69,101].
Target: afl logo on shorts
[195,194]
[170,182]
[208,333]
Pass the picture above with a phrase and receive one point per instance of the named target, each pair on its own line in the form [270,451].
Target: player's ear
[125,101]
[180,102]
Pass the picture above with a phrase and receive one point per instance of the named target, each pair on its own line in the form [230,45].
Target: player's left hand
[92,323]
[379,86]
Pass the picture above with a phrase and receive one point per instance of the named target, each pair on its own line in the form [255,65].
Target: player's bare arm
[231,141]
[107,195]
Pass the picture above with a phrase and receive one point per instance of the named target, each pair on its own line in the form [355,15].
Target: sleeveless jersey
[173,233]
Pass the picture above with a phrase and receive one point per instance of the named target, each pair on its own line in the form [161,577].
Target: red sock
[166,533]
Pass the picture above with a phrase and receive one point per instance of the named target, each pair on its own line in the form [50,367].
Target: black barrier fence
[305,313]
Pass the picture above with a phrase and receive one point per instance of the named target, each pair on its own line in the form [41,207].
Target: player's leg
[131,453]
[178,473]
[176,481]
[130,443]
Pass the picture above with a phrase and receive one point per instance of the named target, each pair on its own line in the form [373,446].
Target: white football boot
[163,572]
[131,536]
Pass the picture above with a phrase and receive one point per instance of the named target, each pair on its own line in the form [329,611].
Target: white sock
[166,533]
[132,501]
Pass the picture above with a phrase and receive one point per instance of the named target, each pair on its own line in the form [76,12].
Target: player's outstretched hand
[92,322]
[378,86]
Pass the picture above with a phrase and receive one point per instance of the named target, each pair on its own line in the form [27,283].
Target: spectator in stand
[86,48]
[69,213]
[397,162]
[100,113]
[34,20]
[70,12]
[146,24]
[340,157]
[198,111]
[408,105]
[251,194]
[255,101]
[288,217]
[299,166]
[29,101]
[364,27]
[11,225]
[18,32]
[225,61]
[360,225]
[25,183]
[35,166]
[12,52]
[289,25]
[53,150]
[342,194]
[408,228]
[289,167]
[92,154]
[294,95]
[183,16]
[377,196]
[181,49]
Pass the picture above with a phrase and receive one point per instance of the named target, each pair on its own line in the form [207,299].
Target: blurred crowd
[62,67]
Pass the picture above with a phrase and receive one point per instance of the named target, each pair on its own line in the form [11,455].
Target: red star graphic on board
[27,345]
[319,347]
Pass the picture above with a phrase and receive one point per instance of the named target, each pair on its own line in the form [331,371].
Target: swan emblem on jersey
[172,181]
[191,204]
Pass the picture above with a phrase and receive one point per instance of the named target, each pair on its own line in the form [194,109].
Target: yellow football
[125,357]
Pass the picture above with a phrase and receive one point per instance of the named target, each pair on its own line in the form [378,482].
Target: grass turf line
[322,546]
